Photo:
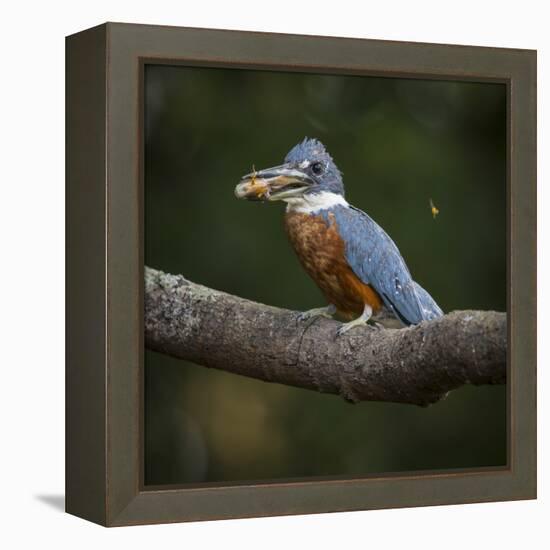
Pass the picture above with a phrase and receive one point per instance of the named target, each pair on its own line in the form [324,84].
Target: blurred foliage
[399,142]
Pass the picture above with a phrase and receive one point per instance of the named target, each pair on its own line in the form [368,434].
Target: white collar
[309,204]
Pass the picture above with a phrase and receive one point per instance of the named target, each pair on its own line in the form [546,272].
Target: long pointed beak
[276,183]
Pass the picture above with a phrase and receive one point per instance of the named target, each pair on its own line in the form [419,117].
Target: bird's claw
[327,312]
[304,316]
[348,326]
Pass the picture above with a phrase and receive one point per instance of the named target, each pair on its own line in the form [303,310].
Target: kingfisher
[353,261]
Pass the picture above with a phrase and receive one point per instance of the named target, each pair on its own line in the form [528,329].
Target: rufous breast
[321,252]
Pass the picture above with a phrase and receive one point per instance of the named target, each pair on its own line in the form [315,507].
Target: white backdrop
[32,255]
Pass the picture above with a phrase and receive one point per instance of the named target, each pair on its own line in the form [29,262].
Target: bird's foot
[362,321]
[352,324]
[357,323]
[327,311]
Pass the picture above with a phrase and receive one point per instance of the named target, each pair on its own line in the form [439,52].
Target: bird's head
[308,169]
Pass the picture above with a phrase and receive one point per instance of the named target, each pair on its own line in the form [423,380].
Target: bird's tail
[430,310]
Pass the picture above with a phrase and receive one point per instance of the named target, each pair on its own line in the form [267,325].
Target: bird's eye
[317,168]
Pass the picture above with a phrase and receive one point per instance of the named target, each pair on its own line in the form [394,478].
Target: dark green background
[399,142]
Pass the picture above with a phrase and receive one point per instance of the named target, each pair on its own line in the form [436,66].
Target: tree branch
[417,365]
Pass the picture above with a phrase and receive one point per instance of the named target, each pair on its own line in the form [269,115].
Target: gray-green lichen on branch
[417,365]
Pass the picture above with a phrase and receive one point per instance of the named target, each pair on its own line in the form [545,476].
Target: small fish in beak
[253,188]
[273,184]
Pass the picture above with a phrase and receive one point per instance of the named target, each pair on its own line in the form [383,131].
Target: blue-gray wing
[376,260]
[430,309]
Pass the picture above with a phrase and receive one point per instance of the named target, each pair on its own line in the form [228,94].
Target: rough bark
[417,365]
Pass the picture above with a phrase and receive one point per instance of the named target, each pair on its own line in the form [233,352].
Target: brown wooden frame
[104,450]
